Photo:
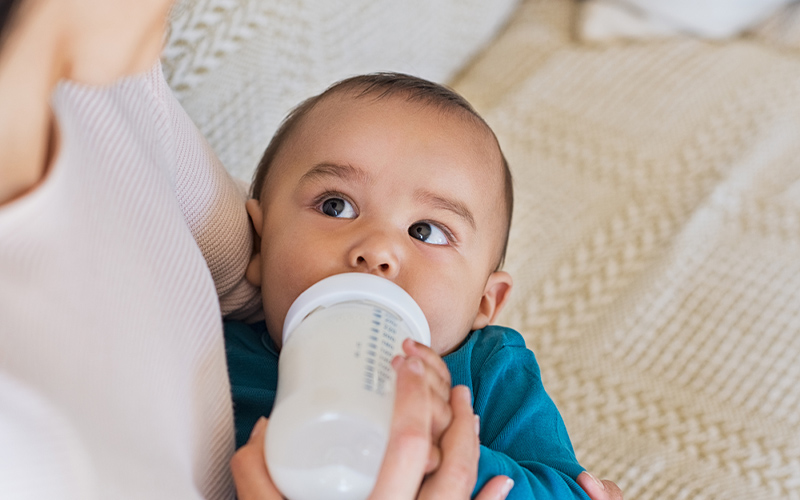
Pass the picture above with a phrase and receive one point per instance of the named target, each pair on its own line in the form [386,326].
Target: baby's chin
[443,348]
[448,336]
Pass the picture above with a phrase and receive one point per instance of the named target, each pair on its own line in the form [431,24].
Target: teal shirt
[522,433]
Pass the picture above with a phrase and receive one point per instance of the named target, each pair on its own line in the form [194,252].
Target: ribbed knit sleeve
[522,433]
[213,205]
[110,329]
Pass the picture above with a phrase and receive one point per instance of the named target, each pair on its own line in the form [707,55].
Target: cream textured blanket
[656,240]
[656,249]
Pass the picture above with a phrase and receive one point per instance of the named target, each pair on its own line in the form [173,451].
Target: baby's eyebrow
[457,207]
[342,171]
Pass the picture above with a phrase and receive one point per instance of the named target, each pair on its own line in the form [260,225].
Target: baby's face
[394,188]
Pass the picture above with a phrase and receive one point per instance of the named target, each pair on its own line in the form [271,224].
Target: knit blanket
[655,245]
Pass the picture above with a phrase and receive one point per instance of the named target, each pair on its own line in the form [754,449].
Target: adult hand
[597,489]
[437,378]
[409,444]
[401,475]
[249,468]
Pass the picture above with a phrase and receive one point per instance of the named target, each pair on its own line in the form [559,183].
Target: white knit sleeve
[213,204]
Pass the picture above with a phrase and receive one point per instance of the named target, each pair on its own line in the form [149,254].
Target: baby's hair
[379,86]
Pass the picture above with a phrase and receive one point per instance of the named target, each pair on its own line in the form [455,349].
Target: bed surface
[655,245]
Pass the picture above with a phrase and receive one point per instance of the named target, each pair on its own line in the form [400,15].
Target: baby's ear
[253,272]
[495,296]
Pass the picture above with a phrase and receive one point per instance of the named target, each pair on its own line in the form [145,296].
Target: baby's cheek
[446,336]
[450,316]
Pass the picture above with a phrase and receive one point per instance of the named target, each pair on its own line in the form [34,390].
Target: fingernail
[259,423]
[598,482]
[464,394]
[506,488]
[477,425]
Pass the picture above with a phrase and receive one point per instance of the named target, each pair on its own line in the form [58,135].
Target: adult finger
[410,433]
[441,417]
[460,449]
[441,413]
[249,468]
[438,378]
[497,488]
[434,459]
[438,375]
[597,489]
[614,491]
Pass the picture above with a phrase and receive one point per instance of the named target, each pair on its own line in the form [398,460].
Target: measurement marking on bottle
[380,349]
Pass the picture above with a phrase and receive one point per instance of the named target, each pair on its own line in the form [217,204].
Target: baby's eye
[337,207]
[428,233]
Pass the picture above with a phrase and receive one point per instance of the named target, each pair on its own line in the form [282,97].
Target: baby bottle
[330,424]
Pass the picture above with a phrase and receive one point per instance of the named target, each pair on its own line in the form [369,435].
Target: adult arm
[213,205]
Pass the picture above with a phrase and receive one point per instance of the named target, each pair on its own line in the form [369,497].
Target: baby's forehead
[353,101]
[482,141]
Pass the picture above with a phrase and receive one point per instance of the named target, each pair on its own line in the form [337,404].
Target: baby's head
[392,175]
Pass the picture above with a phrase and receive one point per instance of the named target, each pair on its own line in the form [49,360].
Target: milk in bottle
[330,423]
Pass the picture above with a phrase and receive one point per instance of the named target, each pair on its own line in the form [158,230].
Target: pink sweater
[113,381]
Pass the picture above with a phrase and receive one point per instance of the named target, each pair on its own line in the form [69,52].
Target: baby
[397,176]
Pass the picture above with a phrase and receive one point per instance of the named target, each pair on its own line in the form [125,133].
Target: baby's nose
[377,254]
